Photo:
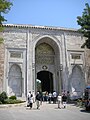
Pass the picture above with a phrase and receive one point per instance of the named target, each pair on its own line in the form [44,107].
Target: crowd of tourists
[59,99]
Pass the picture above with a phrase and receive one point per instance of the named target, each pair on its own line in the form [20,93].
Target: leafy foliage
[3,96]
[4,99]
[84,22]
[5,6]
[13,97]
[10,101]
[1,40]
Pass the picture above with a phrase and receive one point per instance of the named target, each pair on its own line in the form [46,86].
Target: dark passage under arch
[46,79]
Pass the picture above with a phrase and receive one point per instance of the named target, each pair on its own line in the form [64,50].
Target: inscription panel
[15,54]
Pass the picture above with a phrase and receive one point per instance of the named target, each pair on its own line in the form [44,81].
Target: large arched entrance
[47,60]
[46,81]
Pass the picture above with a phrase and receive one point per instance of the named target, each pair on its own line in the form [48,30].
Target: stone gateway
[41,58]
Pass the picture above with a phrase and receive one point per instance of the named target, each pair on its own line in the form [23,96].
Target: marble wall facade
[32,52]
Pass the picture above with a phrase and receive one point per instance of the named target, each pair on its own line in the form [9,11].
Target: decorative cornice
[40,27]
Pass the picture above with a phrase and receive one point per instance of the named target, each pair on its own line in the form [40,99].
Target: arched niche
[15,80]
[77,83]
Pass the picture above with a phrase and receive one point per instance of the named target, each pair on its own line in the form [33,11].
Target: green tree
[5,6]
[84,22]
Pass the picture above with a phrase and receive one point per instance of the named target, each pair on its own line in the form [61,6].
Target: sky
[58,13]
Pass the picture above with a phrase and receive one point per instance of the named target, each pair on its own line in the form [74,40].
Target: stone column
[64,62]
[1,65]
[60,82]
[87,65]
[29,61]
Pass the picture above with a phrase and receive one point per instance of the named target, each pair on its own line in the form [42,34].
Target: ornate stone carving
[44,54]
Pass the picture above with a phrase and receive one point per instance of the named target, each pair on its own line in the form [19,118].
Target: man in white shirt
[59,98]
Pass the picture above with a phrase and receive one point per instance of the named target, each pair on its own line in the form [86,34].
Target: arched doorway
[15,80]
[46,79]
[47,60]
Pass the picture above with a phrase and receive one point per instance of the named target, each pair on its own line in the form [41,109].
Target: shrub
[4,99]
[0,102]
[13,97]
[3,96]
[79,102]
[10,101]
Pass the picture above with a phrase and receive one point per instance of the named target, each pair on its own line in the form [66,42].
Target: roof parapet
[39,27]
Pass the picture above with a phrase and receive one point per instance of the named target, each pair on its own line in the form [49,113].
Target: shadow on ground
[85,111]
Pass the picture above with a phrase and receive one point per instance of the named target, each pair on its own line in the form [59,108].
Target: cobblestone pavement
[46,112]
